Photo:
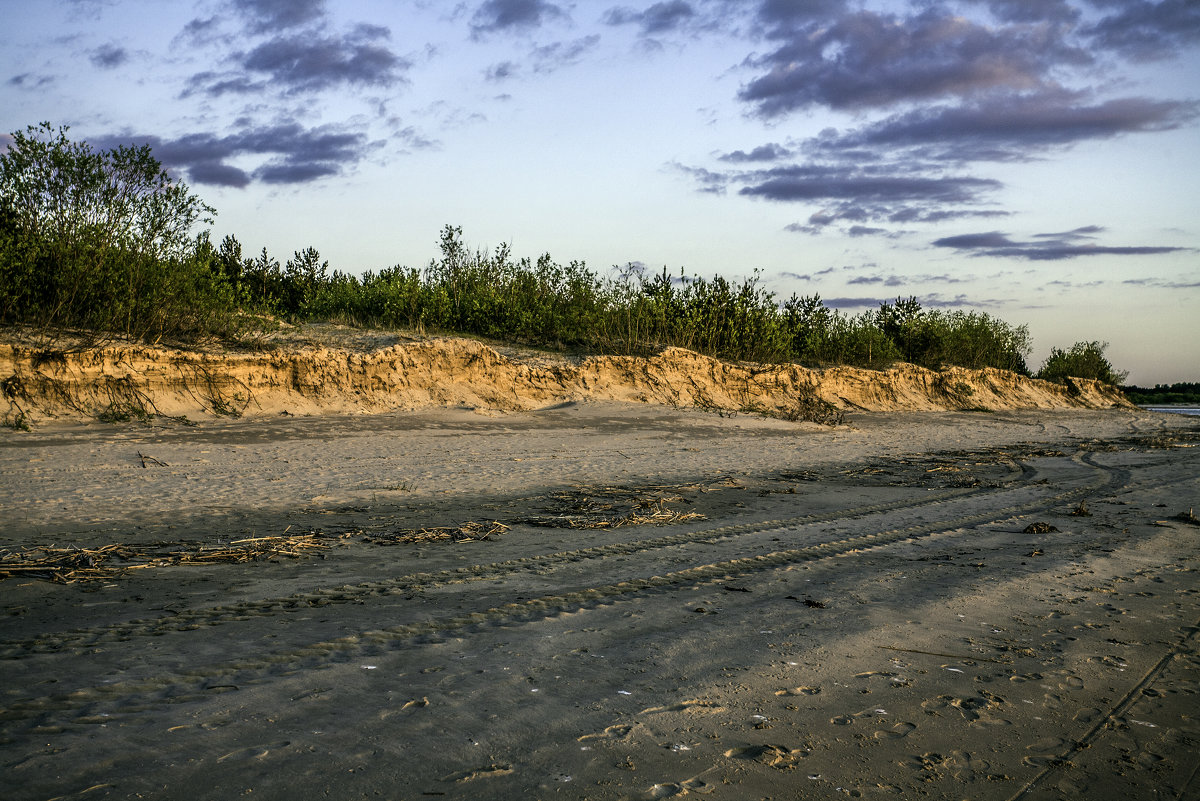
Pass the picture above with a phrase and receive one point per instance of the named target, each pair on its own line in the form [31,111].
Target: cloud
[860,196]
[269,16]
[28,80]
[202,31]
[496,16]
[885,280]
[294,154]
[547,58]
[1048,247]
[824,182]
[657,19]
[1009,127]
[855,303]
[865,60]
[90,8]
[502,71]
[768,152]
[1146,31]
[287,172]
[309,63]
[1084,232]
[108,56]
[1030,10]
[934,300]
[216,173]
[780,17]
[709,181]
[989,240]
[1159,283]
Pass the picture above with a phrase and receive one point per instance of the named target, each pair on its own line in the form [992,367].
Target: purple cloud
[295,154]
[658,18]
[497,16]
[1048,247]
[1005,127]
[108,56]
[864,60]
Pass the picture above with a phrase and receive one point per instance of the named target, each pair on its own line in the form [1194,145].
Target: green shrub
[101,241]
[1083,360]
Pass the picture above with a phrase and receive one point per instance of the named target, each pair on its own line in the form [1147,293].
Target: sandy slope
[118,380]
[860,614]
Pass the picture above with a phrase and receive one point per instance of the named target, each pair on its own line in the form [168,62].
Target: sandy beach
[670,602]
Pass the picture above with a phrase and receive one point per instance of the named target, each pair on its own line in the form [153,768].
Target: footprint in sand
[1046,750]
[965,767]
[800,691]
[1070,682]
[679,788]
[776,756]
[1107,661]
[696,707]
[896,732]
[620,731]
[692,785]
[971,708]
[486,772]
[254,751]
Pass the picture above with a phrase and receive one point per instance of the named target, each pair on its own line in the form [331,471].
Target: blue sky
[1034,159]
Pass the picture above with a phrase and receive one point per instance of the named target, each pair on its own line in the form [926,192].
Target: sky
[1033,159]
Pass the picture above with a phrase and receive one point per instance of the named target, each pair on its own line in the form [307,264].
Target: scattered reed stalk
[467,532]
[68,565]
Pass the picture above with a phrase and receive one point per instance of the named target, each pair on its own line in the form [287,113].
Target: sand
[64,382]
[857,612]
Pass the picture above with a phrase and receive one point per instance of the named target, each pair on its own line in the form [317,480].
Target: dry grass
[611,507]
[68,565]
[467,532]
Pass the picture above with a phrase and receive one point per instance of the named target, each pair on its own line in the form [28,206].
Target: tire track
[191,619]
[195,684]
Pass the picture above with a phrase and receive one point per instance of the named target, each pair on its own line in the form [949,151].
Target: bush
[1083,360]
[102,241]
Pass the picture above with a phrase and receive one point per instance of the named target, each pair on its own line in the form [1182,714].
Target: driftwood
[150,459]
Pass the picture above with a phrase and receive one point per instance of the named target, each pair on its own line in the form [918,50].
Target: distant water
[1192,410]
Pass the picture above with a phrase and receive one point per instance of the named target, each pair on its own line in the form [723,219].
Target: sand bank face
[860,613]
[123,381]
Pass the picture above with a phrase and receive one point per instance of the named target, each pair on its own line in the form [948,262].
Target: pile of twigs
[467,532]
[68,565]
[620,507]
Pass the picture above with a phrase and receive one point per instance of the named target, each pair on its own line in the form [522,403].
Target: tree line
[103,242]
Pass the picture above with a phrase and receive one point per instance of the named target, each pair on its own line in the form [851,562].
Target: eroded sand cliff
[119,380]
